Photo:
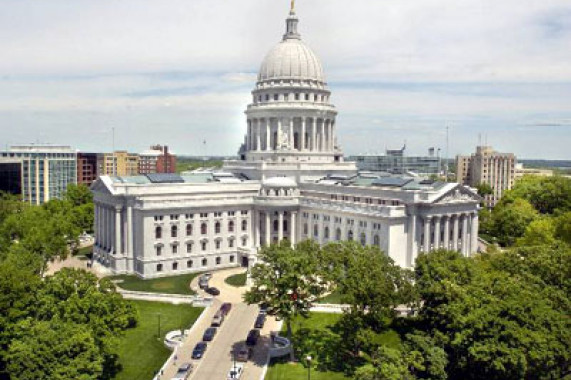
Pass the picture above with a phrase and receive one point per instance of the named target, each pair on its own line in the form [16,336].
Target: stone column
[293,232]
[117,243]
[256,216]
[105,226]
[437,232]
[279,131]
[96,223]
[129,243]
[320,231]
[291,139]
[332,138]
[280,226]
[268,135]
[302,139]
[322,136]
[259,136]
[447,232]
[313,134]
[268,230]
[455,233]
[413,238]
[427,234]
[474,234]
[249,134]
[464,234]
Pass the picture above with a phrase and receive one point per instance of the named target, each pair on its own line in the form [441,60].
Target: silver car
[183,372]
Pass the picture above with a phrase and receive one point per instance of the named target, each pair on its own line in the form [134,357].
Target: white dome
[291,59]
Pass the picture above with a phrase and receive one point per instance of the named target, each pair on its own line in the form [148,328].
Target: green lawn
[281,369]
[141,354]
[333,297]
[169,285]
[84,253]
[236,280]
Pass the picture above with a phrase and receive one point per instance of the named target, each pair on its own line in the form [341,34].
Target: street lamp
[308,367]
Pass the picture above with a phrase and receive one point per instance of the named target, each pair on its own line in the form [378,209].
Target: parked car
[202,283]
[209,334]
[263,308]
[217,319]
[212,290]
[243,353]
[183,372]
[198,351]
[235,371]
[252,338]
[260,320]
[225,308]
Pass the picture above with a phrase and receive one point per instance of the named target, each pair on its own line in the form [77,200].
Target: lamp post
[308,367]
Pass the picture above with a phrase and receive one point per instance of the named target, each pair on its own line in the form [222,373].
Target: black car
[199,350]
[260,320]
[213,291]
[252,338]
[225,308]
[209,334]
[263,308]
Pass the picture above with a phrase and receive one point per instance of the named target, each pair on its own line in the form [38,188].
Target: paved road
[218,358]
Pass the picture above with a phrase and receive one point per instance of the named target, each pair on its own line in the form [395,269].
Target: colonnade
[109,221]
[304,133]
[264,232]
[457,232]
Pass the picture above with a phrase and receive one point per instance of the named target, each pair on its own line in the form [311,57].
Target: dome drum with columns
[291,120]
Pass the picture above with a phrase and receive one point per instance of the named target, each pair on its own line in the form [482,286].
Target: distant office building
[11,175]
[490,167]
[520,171]
[157,160]
[395,161]
[120,163]
[86,168]
[46,170]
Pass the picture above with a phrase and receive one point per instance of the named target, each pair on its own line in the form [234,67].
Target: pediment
[99,186]
[459,194]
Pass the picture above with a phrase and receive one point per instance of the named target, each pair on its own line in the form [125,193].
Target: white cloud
[405,68]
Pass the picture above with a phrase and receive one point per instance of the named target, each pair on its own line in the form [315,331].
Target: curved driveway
[217,360]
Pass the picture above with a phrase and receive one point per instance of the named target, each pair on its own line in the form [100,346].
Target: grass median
[141,353]
[167,285]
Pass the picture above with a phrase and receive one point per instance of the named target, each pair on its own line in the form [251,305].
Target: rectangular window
[159,250]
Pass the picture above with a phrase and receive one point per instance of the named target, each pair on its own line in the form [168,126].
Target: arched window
[350,235]
[218,244]
[305,228]
[204,228]
[204,262]
[363,239]
[218,261]
[174,266]
[326,233]
[188,229]
[204,245]
[230,226]
[244,225]
[231,243]
[315,230]
[174,231]
[244,241]
[189,264]
[338,234]
[188,247]
[217,228]
[158,233]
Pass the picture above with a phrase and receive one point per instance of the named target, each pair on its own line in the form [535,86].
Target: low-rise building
[86,168]
[396,162]
[119,163]
[157,159]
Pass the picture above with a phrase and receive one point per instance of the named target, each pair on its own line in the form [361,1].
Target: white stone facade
[290,183]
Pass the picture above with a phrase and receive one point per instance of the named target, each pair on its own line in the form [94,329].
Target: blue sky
[180,72]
